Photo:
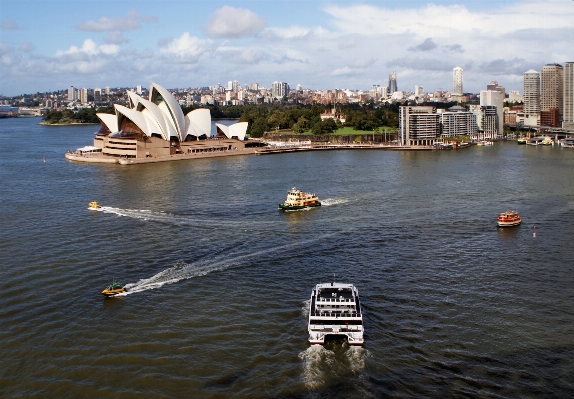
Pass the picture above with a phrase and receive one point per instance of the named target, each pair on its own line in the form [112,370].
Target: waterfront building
[392,86]
[457,81]
[157,127]
[551,90]
[457,121]
[494,98]
[418,125]
[486,120]
[531,98]
[568,116]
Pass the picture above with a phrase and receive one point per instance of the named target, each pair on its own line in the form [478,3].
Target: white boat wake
[333,201]
[321,365]
[183,270]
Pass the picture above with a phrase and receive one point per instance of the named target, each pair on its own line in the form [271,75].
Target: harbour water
[220,279]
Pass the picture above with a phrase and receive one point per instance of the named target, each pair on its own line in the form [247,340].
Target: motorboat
[485,142]
[297,199]
[547,141]
[522,140]
[335,310]
[113,289]
[568,143]
[94,206]
[535,140]
[508,219]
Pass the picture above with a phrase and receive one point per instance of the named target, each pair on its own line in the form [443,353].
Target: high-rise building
[418,125]
[71,93]
[494,86]
[279,89]
[139,89]
[457,81]
[487,121]
[230,85]
[457,121]
[235,87]
[392,86]
[84,95]
[531,97]
[494,98]
[108,90]
[419,92]
[568,116]
[254,86]
[552,88]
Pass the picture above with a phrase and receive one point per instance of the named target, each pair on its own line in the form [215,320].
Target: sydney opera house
[157,130]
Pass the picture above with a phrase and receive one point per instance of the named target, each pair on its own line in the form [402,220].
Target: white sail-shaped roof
[174,113]
[136,117]
[110,120]
[198,122]
[238,130]
[162,116]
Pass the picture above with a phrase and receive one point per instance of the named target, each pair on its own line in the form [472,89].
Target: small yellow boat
[94,205]
[114,289]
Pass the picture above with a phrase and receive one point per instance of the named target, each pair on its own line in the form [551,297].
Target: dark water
[453,306]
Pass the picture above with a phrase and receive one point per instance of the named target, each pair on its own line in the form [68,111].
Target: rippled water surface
[220,279]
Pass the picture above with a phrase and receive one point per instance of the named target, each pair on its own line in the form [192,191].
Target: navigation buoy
[533,231]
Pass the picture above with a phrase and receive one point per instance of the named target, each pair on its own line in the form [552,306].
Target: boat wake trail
[333,201]
[174,219]
[182,270]
[322,366]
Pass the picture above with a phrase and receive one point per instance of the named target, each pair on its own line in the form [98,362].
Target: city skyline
[47,46]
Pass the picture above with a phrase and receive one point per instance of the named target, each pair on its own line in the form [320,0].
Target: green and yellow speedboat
[114,289]
[297,199]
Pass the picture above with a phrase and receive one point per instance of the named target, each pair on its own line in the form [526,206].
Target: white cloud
[120,24]
[115,37]
[89,47]
[188,48]
[27,47]
[233,23]
[8,24]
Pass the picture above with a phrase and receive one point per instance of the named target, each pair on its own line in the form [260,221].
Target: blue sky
[50,45]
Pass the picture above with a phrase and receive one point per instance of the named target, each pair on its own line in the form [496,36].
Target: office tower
[487,121]
[254,86]
[552,88]
[71,93]
[418,125]
[235,87]
[108,90]
[392,86]
[531,96]
[279,89]
[419,91]
[230,85]
[139,89]
[457,81]
[568,106]
[494,98]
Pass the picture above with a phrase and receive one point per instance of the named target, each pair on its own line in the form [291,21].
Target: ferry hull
[294,208]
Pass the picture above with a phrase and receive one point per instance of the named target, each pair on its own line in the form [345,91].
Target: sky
[51,45]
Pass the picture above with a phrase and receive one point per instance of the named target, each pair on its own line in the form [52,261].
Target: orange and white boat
[509,219]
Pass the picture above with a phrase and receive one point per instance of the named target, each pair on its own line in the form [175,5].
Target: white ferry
[334,310]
